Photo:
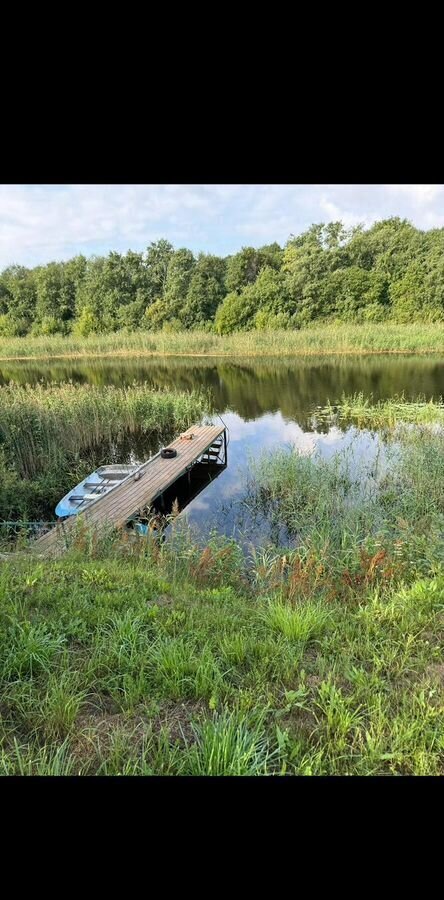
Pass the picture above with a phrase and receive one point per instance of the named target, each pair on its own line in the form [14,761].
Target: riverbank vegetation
[366,413]
[391,272]
[188,657]
[52,436]
[317,340]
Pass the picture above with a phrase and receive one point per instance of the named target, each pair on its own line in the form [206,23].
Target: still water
[264,404]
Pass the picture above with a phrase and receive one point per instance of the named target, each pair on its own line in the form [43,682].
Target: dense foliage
[392,271]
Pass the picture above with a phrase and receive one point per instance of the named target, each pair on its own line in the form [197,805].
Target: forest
[390,272]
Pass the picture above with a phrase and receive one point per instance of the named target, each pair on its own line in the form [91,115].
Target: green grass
[365,412]
[52,436]
[230,744]
[317,339]
[24,759]
[154,660]
[130,657]
[302,623]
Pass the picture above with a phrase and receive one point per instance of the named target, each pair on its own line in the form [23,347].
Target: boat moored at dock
[92,488]
[114,495]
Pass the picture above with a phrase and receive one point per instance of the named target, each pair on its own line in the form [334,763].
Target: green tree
[158,256]
[86,323]
[334,235]
[407,293]
[156,315]
[244,267]
[235,313]
[267,298]
[306,263]
[391,270]
[91,297]
[5,296]
[206,291]
[115,291]
[177,282]
[21,291]
[270,292]
[180,270]
[56,291]
[388,246]
[346,293]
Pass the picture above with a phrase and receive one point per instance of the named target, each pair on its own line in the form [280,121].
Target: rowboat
[94,486]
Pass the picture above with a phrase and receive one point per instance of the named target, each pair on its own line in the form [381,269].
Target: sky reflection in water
[266,403]
[220,506]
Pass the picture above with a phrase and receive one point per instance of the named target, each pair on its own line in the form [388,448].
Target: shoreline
[140,354]
[335,341]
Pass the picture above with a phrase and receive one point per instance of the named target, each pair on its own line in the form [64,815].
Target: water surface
[265,404]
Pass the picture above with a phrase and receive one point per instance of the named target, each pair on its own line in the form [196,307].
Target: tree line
[391,271]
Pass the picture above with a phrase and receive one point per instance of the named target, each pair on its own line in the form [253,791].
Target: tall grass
[365,412]
[317,339]
[40,425]
[24,759]
[321,499]
[346,517]
[304,624]
[53,436]
[229,745]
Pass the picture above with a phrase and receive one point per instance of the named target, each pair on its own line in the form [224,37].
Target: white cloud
[420,194]
[43,222]
[334,213]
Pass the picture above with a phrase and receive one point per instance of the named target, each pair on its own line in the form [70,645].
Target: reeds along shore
[319,339]
[48,435]
[365,412]
[39,424]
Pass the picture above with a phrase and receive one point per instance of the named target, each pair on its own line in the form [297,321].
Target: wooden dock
[136,492]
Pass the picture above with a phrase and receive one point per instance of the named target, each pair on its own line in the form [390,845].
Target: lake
[264,404]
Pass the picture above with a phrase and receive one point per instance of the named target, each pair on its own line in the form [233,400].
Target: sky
[40,223]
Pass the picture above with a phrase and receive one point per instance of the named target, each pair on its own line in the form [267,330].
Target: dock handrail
[226,427]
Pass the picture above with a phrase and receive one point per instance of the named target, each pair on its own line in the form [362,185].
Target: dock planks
[124,501]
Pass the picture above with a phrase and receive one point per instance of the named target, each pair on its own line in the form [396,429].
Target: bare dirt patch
[436,673]
[100,720]
[179,718]
[300,723]
[163,600]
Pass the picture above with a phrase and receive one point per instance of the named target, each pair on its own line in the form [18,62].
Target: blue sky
[40,223]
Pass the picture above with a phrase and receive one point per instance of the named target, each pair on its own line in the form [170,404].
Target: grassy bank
[130,666]
[325,339]
[128,657]
[51,436]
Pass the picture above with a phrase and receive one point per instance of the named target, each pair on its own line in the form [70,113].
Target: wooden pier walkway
[136,492]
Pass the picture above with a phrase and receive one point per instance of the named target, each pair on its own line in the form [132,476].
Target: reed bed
[318,339]
[340,502]
[52,436]
[40,426]
[365,412]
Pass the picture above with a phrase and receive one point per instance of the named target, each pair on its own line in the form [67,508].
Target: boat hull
[94,486]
